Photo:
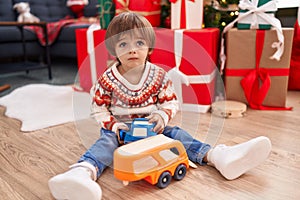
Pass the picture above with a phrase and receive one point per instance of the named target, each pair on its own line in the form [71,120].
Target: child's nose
[132,49]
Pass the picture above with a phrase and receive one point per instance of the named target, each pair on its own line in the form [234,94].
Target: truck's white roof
[144,145]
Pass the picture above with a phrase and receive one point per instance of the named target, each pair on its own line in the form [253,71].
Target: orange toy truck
[155,159]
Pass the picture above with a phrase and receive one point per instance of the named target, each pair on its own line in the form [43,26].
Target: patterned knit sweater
[115,100]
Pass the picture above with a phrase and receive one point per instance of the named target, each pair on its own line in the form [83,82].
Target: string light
[219,13]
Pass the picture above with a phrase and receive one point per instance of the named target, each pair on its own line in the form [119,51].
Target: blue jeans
[101,153]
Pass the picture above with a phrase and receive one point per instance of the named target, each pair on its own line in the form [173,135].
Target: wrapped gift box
[150,9]
[106,10]
[92,55]
[250,74]
[262,20]
[186,14]
[190,57]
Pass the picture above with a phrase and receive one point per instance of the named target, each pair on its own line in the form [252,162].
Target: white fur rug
[40,106]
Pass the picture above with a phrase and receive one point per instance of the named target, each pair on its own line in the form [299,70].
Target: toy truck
[155,159]
[140,128]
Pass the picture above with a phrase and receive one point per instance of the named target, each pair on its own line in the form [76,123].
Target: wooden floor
[28,160]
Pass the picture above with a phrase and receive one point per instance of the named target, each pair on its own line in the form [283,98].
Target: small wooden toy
[228,109]
[155,159]
[140,128]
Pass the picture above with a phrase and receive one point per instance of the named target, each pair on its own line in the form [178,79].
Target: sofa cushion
[6,10]
[68,32]
[13,34]
[91,10]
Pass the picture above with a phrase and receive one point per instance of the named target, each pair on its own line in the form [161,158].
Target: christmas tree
[219,13]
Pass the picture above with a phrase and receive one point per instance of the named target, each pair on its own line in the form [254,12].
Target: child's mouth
[132,58]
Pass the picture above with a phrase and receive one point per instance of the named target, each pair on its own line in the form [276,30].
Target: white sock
[75,184]
[233,161]
[92,170]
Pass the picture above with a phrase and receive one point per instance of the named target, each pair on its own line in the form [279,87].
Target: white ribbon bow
[257,12]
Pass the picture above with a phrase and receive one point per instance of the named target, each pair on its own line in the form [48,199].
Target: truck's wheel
[164,180]
[180,172]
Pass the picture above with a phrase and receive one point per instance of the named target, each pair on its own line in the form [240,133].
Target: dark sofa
[45,10]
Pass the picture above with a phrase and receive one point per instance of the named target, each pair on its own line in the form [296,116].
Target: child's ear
[150,51]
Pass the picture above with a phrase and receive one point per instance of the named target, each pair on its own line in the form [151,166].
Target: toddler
[132,88]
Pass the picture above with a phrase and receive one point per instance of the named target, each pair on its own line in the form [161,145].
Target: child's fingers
[123,127]
[158,128]
[152,119]
[155,118]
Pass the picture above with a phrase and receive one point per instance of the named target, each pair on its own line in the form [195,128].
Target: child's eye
[140,43]
[122,44]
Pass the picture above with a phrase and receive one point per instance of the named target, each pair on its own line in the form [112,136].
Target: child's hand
[123,127]
[119,128]
[158,120]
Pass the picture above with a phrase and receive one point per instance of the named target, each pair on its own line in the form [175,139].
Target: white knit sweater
[115,100]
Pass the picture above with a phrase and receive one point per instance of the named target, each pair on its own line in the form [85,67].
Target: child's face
[132,50]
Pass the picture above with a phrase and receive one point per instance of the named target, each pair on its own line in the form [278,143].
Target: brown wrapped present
[251,76]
